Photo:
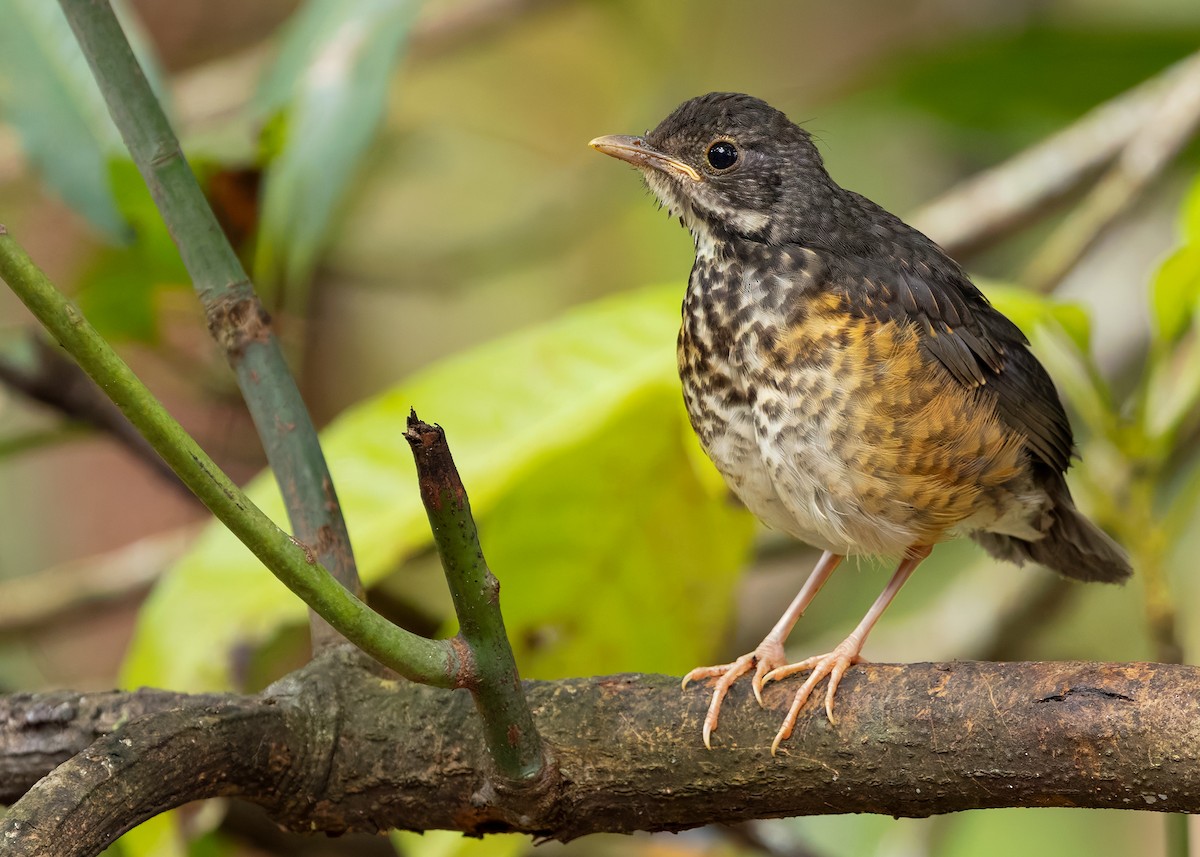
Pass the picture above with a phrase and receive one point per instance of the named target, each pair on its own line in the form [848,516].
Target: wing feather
[960,328]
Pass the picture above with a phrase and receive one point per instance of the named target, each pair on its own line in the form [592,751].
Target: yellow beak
[638,152]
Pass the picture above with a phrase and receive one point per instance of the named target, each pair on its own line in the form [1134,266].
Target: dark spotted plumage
[849,381]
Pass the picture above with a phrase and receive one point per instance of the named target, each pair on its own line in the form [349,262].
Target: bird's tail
[1073,546]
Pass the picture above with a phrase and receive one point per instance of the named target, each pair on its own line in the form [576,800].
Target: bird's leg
[769,654]
[835,663]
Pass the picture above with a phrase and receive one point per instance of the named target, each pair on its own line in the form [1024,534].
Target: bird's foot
[834,664]
[767,657]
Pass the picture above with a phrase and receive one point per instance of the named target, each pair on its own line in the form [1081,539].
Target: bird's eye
[722,155]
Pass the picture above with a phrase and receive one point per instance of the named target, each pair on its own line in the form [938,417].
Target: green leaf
[1175,293]
[1171,388]
[1030,310]
[600,538]
[331,78]
[1172,391]
[120,287]
[49,97]
[159,836]
[595,511]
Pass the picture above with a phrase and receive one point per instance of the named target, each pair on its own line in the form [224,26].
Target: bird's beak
[641,154]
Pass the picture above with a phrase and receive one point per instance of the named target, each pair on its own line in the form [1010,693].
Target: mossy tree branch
[236,318]
[913,740]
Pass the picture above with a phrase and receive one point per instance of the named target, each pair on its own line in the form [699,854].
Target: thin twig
[296,566]
[997,202]
[236,318]
[39,372]
[1161,136]
[491,669]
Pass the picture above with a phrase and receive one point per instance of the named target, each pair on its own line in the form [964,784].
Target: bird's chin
[667,190]
[701,213]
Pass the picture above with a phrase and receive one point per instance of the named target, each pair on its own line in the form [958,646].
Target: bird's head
[727,162]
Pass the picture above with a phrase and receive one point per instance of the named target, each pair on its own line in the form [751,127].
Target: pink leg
[769,654]
[835,663]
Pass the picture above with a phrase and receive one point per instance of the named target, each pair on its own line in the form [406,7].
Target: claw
[834,665]
[768,656]
[760,673]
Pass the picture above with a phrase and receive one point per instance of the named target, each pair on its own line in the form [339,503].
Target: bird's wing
[960,328]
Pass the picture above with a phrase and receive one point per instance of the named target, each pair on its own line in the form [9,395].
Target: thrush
[848,380]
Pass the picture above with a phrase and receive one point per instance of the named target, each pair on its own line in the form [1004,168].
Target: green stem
[416,658]
[491,673]
[235,316]
[1147,542]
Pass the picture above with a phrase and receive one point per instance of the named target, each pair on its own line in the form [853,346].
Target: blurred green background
[411,185]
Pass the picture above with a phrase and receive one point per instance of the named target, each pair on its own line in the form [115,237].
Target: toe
[798,701]
[761,670]
[786,670]
[701,673]
[726,675]
[836,671]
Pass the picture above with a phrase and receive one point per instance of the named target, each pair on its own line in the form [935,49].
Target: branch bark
[911,741]
[40,731]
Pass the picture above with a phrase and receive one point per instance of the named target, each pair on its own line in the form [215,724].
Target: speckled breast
[832,426]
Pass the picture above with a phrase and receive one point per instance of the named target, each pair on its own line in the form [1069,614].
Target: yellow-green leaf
[1175,292]
[1028,310]
[1189,221]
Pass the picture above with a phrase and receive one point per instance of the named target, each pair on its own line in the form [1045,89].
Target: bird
[851,384]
